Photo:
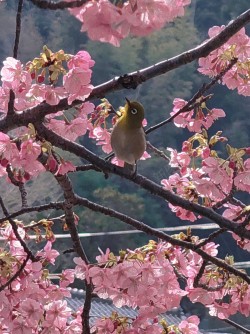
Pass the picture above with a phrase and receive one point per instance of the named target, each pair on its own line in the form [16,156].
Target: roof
[104,308]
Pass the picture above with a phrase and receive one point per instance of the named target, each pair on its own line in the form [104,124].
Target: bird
[128,139]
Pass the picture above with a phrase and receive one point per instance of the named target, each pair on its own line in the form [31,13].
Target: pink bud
[4,162]
[232,164]
[40,78]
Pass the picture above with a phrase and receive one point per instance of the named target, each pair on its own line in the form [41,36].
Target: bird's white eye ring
[134,111]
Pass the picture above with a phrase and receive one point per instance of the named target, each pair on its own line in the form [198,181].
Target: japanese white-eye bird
[128,137]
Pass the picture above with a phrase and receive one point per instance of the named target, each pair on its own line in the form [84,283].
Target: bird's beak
[129,103]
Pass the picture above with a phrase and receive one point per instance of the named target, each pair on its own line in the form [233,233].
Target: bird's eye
[134,111]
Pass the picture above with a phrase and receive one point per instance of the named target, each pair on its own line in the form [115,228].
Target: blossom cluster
[152,268]
[107,22]
[238,46]
[197,118]
[32,304]
[21,151]
[202,176]
[28,89]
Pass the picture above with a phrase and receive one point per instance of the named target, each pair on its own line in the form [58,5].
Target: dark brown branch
[15,276]
[85,168]
[18,28]
[211,237]
[23,193]
[200,273]
[17,235]
[195,99]
[235,325]
[11,103]
[40,111]
[18,184]
[69,196]
[38,208]
[159,234]
[52,5]
[143,182]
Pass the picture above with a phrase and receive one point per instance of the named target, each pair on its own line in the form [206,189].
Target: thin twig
[23,193]
[38,208]
[195,99]
[52,5]
[211,237]
[200,273]
[18,28]
[18,184]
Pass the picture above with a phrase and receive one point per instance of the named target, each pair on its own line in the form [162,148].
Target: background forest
[58,30]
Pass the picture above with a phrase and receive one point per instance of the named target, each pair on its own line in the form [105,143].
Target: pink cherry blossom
[106,22]
[81,269]
[53,95]
[77,84]
[237,46]
[195,119]
[101,21]
[48,253]
[32,311]
[13,75]
[190,325]
[218,173]
[183,213]
[81,60]
[67,277]
[102,137]
[57,313]
[21,326]
[242,179]
[8,149]
[65,167]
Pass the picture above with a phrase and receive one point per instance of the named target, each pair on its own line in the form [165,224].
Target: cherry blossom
[237,46]
[106,22]
[190,325]
[146,278]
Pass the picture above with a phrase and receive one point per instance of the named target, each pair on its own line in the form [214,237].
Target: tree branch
[145,183]
[38,208]
[39,112]
[159,234]
[18,28]
[18,184]
[211,237]
[193,101]
[69,196]
[52,5]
